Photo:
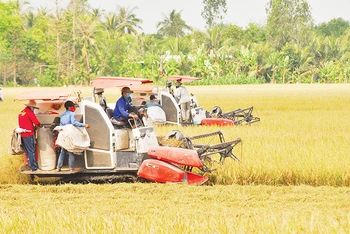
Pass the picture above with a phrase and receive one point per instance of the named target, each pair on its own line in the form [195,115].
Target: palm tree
[111,22]
[43,11]
[87,30]
[30,19]
[173,25]
[20,6]
[97,13]
[128,22]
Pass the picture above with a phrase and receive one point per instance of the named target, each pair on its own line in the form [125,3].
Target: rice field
[293,177]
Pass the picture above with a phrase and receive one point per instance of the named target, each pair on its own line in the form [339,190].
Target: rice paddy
[293,177]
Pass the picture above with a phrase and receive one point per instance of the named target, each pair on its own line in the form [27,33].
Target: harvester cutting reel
[238,116]
[206,151]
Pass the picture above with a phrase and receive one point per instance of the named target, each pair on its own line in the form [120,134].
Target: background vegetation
[74,45]
[302,141]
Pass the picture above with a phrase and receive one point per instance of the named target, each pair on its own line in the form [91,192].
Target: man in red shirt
[26,121]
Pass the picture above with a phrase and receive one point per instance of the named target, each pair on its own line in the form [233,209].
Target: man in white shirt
[184,100]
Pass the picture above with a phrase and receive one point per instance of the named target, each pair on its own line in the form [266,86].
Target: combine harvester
[117,151]
[199,116]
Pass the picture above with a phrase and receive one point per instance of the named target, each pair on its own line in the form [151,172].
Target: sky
[240,12]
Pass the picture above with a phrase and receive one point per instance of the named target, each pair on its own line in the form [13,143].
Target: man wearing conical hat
[27,121]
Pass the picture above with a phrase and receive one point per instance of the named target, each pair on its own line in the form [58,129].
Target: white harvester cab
[114,149]
[107,140]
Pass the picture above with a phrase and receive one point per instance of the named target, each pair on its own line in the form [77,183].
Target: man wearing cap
[101,98]
[122,107]
[153,102]
[184,100]
[68,117]
[27,121]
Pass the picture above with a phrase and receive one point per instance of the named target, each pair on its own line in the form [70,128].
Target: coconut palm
[20,6]
[43,11]
[111,22]
[86,30]
[128,22]
[97,13]
[173,25]
[29,19]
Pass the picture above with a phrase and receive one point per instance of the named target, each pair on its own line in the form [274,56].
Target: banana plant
[328,72]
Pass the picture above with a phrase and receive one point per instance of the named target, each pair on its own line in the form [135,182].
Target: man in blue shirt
[123,109]
[68,117]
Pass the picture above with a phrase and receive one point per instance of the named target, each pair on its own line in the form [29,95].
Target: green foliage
[214,11]
[81,43]
[335,27]
[255,33]
[233,31]
[32,47]
[128,21]
[288,21]
[173,25]
[48,78]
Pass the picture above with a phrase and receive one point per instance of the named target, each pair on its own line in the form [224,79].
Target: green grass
[302,141]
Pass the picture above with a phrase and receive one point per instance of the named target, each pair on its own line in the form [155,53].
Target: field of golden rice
[294,174]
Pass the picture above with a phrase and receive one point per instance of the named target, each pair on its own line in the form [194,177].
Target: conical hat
[32,103]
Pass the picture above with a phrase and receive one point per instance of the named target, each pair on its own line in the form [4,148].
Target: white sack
[74,139]
[47,154]
[156,115]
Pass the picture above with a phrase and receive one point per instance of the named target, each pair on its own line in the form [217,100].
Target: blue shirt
[121,107]
[68,117]
[152,103]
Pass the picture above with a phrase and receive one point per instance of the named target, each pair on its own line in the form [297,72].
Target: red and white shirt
[27,120]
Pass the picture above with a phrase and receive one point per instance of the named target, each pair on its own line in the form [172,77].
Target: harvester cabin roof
[108,82]
[184,79]
[45,95]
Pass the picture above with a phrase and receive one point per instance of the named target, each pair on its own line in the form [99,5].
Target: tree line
[76,44]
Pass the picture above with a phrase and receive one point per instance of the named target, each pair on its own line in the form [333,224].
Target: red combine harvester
[117,151]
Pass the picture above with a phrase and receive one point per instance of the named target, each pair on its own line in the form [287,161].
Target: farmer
[184,101]
[27,121]
[68,117]
[155,112]
[123,109]
[101,98]
[153,102]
